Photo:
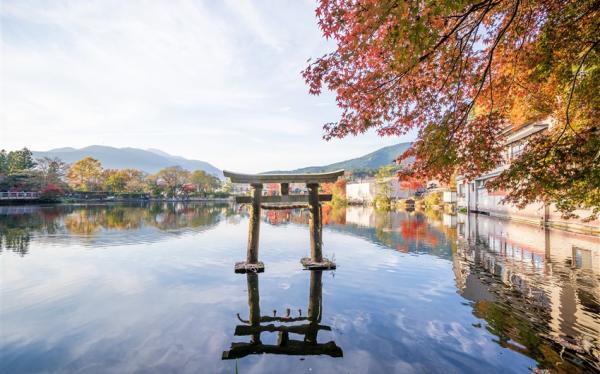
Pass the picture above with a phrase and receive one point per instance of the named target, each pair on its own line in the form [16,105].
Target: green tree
[3,162]
[85,174]
[18,161]
[383,198]
[115,180]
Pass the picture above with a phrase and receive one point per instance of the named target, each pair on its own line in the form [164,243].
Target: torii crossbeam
[312,201]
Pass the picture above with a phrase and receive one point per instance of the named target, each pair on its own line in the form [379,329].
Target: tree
[115,180]
[152,185]
[460,72]
[3,163]
[338,191]
[410,182]
[51,192]
[383,176]
[135,180]
[52,170]
[19,161]
[204,182]
[172,178]
[85,174]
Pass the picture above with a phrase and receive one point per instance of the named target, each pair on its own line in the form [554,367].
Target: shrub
[51,192]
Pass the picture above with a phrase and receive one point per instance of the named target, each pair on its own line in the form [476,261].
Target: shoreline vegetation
[51,180]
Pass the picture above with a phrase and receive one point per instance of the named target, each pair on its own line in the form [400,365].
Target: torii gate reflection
[254,327]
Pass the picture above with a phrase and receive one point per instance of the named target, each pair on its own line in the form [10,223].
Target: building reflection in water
[307,326]
[538,289]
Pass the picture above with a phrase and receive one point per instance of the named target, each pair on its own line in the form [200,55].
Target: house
[474,196]
[365,190]
[240,188]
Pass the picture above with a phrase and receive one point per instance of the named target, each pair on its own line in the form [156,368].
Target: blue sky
[215,80]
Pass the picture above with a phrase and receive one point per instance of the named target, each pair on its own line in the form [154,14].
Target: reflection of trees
[332,215]
[177,216]
[15,239]
[401,231]
[161,216]
[18,226]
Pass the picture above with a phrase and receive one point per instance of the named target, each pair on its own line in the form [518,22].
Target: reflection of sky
[171,305]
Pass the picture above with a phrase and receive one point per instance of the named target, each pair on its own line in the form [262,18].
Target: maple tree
[459,73]
[410,182]
[51,191]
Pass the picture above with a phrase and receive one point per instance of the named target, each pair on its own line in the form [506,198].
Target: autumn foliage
[460,73]
[51,191]
[410,182]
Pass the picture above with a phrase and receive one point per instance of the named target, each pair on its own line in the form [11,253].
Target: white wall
[365,191]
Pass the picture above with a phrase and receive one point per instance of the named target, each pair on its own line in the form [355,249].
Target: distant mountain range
[150,160]
[373,160]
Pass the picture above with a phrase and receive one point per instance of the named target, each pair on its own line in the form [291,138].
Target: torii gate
[285,201]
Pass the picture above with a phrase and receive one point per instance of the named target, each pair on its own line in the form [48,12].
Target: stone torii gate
[285,201]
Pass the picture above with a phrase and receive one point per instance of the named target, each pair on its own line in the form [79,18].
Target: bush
[433,199]
[382,203]
[51,192]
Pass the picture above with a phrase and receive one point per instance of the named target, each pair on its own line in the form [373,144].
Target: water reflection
[415,290]
[407,232]
[538,289]
[309,328]
[103,224]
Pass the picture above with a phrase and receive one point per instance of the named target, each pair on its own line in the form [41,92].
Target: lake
[151,288]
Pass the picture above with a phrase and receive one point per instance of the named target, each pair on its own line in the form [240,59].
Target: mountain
[373,160]
[150,161]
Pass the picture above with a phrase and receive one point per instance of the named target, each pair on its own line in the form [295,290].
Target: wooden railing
[21,195]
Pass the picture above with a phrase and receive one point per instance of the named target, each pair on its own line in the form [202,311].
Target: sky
[217,81]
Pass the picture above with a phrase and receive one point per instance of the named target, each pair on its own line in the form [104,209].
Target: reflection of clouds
[358,322]
[400,321]
[405,367]
[453,333]
[124,332]
[435,288]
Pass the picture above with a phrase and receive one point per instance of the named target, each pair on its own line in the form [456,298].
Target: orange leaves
[417,230]
[409,182]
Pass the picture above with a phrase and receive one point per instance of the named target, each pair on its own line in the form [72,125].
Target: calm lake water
[151,288]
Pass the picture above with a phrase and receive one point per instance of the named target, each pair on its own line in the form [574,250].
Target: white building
[365,190]
[474,196]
